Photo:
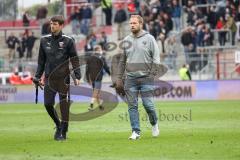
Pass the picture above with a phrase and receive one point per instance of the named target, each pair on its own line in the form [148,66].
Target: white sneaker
[155,130]
[134,136]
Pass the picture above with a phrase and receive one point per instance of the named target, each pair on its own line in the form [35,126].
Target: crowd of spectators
[23,45]
[205,19]
[161,19]
[208,21]
[92,40]
[81,19]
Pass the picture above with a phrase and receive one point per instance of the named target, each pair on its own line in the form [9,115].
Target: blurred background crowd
[204,34]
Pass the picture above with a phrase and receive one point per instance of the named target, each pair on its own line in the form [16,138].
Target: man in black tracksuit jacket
[55,51]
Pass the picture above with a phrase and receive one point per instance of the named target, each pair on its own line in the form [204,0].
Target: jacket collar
[57,36]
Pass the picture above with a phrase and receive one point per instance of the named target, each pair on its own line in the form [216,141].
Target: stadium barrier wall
[182,91]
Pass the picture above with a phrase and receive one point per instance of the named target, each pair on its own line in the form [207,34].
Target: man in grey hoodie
[137,69]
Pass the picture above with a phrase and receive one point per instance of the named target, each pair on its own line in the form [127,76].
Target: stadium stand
[187,31]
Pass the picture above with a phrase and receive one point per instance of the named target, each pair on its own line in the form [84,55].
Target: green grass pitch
[203,130]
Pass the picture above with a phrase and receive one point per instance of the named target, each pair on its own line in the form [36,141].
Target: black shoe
[64,129]
[58,134]
[64,136]
[101,107]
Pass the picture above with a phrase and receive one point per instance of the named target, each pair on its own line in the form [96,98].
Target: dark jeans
[222,38]
[145,87]
[233,38]
[29,53]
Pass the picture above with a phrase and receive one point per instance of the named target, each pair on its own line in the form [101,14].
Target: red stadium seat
[26,80]
[15,79]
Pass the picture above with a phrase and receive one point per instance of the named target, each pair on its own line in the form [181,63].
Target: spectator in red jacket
[221,34]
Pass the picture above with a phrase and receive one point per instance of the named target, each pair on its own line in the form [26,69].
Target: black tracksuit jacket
[54,55]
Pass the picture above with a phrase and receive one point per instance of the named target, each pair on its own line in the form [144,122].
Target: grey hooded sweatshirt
[140,58]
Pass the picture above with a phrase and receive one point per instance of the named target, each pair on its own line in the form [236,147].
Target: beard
[135,31]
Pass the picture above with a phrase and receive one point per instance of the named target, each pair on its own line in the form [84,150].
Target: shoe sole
[60,139]
[156,135]
[90,109]
[134,139]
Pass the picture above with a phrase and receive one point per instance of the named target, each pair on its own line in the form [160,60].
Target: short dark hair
[58,18]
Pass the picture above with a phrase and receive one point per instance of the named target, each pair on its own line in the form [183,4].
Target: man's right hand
[120,88]
[36,80]
[119,84]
